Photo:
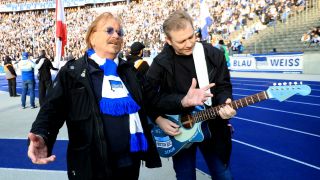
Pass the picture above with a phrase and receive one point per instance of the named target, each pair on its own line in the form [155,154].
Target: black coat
[161,76]
[141,65]
[44,71]
[71,99]
[133,58]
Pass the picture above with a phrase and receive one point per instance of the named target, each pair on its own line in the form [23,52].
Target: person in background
[173,73]
[198,35]
[10,76]
[240,48]
[44,66]
[69,57]
[28,82]
[225,51]
[136,57]
[101,100]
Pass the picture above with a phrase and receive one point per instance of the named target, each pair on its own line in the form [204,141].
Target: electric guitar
[193,130]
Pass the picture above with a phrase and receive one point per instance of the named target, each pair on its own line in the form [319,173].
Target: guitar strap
[201,68]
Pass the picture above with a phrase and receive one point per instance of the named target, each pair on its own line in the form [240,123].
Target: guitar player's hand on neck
[196,96]
[227,112]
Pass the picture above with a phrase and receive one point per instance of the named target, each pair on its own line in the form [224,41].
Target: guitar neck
[212,112]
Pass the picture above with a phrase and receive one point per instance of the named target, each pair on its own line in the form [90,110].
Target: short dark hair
[176,21]
[136,47]
[42,52]
[221,42]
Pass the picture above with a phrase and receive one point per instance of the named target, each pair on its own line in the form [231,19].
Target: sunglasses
[111,30]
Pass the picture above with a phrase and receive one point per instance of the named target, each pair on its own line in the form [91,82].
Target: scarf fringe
[118,106]
[138,142]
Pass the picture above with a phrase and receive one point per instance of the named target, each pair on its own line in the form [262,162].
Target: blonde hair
[92,28]
[176,21]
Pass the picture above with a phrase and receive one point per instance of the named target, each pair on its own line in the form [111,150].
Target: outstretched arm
[53,68]
[38,151]
[51,117]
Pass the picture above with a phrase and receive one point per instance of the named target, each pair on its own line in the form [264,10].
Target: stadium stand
[286,37]
[260,25]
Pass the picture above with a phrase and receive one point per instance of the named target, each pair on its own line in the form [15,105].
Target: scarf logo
[115,85]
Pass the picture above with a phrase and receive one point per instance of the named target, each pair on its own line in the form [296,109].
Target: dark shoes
[32,107]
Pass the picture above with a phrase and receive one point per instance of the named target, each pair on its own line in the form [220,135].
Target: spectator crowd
[311,37]
[33,31]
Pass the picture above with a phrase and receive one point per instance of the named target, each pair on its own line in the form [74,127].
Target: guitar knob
[295,83]
[279,84]
[274,84]
[300,82]
[284,83]
[290,83]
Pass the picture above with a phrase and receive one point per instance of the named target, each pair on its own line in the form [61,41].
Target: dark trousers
[43,88]
[130,172]
[12,84]
[184,162]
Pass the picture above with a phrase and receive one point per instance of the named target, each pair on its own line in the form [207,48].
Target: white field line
[289,112]
[277,154]
[32,170]
[251,84]
[249,89]
[280,127]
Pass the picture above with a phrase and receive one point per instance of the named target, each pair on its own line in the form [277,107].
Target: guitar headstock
[283,91]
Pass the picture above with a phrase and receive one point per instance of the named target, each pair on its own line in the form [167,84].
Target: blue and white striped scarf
[116,100]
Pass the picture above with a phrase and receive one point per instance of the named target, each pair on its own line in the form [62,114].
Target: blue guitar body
[168,146]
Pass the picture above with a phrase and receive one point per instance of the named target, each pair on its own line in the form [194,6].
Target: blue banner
[1,69]
[274,62]
[13,7]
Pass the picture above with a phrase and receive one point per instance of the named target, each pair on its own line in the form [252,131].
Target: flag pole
[61,32]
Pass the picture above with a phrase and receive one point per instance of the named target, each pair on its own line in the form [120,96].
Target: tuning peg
[274,84]
[284,83]
[300,82]
[290,83]
[295,83]
[279,84]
